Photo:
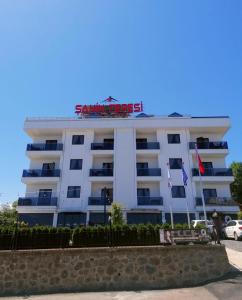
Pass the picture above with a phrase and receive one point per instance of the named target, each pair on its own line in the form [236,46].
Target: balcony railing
[41,173]
[209,145]
[102,146]
[149,172]
[214,172]
[146,200]
[221,201]
[101,172]
[151,145]
[44,147]
[37,201]
[99,201]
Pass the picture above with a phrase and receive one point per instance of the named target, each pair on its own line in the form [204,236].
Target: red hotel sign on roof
[109,109]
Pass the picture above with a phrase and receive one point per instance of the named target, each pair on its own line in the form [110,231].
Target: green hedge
[49,237]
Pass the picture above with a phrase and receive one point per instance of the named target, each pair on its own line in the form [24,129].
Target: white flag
[169,176]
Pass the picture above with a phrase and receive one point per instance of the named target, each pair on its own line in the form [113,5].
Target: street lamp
[110,230]
[106,201]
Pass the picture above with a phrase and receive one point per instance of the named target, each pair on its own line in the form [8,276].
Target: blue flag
[184,176]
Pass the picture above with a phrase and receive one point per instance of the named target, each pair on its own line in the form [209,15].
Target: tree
[236,186]
[8,215]
[116,214]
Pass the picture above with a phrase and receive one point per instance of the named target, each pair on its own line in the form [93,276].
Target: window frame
[76,193]
[178,166]
[171,139]
[77,163]
[181,187]
[79,139]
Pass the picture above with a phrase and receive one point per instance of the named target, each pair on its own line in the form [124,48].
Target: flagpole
[188,216]
[170,202]
[171,212]
[201,189]
[185,178]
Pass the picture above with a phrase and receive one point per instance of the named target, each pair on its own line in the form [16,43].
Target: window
[210,193]
[44,197]
[142,165]
[175,163]
[143,192]
[109,194]
[178,191]
[75,164]
[173,138]
[51,145]
[208,165]
[48,166]
[77,139]
[141,140]
[108,141]
[108,165]
[73,192]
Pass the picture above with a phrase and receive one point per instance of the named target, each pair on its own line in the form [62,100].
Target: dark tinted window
[73,192]
[173,138]
[143,192]
[77,139]
[210,193]
[178,191]
[175,163]
[142,165]
[75,164]
[208,165]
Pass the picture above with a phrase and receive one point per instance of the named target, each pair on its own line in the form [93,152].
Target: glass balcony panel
[45,147]
[41,173]
[99,201]
[150,145]
[214,172]
[101,172]
[209,145]
[213,201]
[146,200]
[102,146]
[149,172]
[37,201]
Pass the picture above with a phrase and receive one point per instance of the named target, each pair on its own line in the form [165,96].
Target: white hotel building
[74,161]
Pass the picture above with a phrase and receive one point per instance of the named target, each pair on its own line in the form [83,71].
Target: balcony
[99,201]
[37,201]
[41,173]
[47,151]
[101,172]
[149,146]
[149,172]
[44,147]
[213,148]
[216,201]
[147,200]
[40,176]
[102,146]
[214,172]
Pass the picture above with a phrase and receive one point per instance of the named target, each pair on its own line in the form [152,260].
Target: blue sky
[183,56]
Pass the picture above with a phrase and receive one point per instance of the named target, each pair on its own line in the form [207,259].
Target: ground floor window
[179,218]
[98,218]
[71,219]
[144,218]
[36,219]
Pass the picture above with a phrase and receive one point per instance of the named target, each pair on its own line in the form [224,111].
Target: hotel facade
[79,164]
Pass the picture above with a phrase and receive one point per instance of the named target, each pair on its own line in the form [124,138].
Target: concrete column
[88,217]
[55,219]
[163,217]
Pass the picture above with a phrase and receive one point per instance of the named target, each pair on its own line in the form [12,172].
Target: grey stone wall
[154,267]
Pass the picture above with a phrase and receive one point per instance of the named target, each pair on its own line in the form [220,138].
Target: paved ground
[233,245]
[227,289]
